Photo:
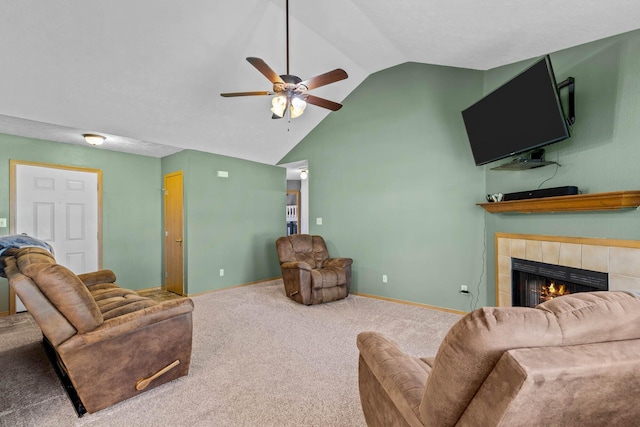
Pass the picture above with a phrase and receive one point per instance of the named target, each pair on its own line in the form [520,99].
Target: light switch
[3,222]
[318,221]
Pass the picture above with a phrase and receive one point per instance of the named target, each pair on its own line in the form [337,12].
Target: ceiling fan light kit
[291,91]
[279,104]
[297,107]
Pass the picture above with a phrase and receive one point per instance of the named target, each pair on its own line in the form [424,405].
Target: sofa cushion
[55,327]
[97,277]
[31,260]
[590,317]
[116,301]
[70,296]
[107,291]
[126,305]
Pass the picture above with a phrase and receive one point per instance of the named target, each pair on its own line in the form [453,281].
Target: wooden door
[62,206]
[174,233]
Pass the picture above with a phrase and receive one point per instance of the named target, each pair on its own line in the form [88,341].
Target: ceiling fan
[291,91]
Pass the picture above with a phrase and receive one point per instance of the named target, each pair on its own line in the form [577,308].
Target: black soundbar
[545,192]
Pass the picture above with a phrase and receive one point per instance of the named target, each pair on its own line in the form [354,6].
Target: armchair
[573,360]
[309,275]
[109,343]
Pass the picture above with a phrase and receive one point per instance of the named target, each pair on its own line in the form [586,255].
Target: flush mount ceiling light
[93,138]
[304,174]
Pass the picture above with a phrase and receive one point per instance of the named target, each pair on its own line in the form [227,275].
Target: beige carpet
[259,359]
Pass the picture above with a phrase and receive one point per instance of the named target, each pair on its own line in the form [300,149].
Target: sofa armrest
[97,277]
[129,322]
[337,262]
[585,384]
[403,377]
[295,265]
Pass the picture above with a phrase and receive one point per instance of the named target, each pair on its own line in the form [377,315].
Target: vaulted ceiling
[148,73]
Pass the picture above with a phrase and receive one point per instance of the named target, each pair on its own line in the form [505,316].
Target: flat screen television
[523,114]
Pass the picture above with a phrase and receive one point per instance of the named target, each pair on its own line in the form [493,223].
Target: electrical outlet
[3,222]
[463,288]
[384,278]
[221,272]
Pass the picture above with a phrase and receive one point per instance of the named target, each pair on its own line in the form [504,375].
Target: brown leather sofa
[309,275]
[109,342]
[571,361]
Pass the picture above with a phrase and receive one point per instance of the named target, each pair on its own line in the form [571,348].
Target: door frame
[13,206]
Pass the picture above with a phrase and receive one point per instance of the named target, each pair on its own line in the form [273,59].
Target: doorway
[299,187]
[293,212]
[174,233]
[61,205]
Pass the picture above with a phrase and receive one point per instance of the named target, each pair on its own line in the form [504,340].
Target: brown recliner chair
[571,361]
[309,275]
[106,343]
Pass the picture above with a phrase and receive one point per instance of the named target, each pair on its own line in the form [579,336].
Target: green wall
[131,205]
[602,155]
[391,175]
[393,179]
[231,223]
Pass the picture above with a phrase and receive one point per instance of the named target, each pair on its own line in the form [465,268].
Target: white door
[60,206]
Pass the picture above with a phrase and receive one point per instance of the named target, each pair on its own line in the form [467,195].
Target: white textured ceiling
[148,73]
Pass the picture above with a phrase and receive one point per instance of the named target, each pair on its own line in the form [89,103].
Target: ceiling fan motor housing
[291,85]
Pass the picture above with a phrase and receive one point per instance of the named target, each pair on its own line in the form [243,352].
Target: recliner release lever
[144,382]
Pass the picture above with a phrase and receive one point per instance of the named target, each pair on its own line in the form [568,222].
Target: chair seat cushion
[114,301]
[108,291]
[327,277]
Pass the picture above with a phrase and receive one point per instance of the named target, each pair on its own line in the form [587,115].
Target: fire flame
[553,290]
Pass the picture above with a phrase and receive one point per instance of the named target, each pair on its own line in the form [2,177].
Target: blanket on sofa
[22,241]
[17,241]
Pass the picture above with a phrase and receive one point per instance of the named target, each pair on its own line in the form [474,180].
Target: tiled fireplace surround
[619,258]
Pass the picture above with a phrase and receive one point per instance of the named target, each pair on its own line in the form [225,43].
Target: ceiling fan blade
[265,69]
[321,102]
[324,79]
[258,93]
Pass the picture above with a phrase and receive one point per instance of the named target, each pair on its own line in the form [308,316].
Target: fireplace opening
[536,282]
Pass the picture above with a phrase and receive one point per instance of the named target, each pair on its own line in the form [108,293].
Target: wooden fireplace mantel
[614,200]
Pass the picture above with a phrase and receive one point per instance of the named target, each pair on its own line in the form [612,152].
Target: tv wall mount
[570,83]
[531,160]
[535,159]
